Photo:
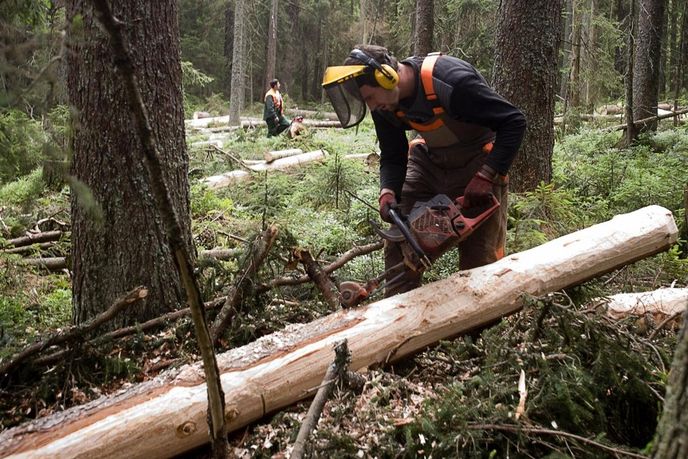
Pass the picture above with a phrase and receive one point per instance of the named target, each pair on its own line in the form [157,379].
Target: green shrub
[21,140]
[22,191]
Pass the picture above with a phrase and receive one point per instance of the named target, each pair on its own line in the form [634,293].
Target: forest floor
[594,385]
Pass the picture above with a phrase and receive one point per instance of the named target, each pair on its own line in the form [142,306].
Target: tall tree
[422,43]
[648,50]
[671,441]
[118,238]
[526,73]
[271,56]
[236,97]
[574,91]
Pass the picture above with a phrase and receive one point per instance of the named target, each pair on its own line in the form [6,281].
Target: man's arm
[393,154]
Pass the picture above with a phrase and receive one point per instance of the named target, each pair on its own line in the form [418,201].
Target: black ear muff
[385,75]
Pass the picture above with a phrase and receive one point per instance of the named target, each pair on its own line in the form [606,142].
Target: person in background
[467,138]
[273,113]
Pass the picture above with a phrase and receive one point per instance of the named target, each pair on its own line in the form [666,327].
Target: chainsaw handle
[472,223]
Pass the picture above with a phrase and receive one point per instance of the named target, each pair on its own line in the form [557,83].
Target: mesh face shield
[341,86]
[347,102]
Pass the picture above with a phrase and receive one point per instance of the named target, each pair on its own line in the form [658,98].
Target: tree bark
[529,80]
[648,51]
[425,16]
[166,416]
[118,234]
[671,441]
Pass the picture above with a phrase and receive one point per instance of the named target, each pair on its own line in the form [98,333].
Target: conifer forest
[195,248]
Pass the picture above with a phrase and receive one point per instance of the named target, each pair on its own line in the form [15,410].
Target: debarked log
[232,177]
[166,416]
[660,302]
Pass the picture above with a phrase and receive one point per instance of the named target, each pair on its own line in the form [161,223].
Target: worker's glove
[277,120]
[478,192]
[387,201]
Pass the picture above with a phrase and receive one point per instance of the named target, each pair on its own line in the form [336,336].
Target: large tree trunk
[648,50]
[236,97]
[118,238]
[529,81]
[425,16]
[671,441]
[166,416]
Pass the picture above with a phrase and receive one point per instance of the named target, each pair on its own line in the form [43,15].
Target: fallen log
[293,112]
[34,238]
[662,302]
[166,415]
[270,156]
[60,263]
[644,121]
[229,178]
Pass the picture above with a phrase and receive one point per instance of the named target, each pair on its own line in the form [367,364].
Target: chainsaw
[431,229]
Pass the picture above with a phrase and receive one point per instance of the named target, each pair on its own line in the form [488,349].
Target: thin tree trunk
[425,16]
[271,56]
[236,98]
[646,66]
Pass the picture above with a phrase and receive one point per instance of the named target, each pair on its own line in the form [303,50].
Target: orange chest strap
[428,87]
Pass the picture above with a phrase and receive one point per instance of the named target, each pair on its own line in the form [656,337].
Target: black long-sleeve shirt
[465,96]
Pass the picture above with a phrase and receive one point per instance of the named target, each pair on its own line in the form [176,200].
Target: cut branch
[333,373]
[341,261]
[319,277]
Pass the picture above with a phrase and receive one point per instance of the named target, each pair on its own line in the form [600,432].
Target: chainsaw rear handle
[465,225]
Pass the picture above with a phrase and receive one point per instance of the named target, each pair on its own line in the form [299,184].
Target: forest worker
[273,114]
[468,136]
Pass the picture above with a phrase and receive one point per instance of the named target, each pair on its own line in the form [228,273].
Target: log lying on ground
[232,177]
[34,238]
[293,112]
[270,156]
[663,302]
[166,416]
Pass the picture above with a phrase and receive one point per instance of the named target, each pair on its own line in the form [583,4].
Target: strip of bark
[216,399]
[244,280]
[34,238]
[77,331]
[334,372]
[338,263]
[319,277]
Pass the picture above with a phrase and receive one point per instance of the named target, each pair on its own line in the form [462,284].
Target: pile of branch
[167,415]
